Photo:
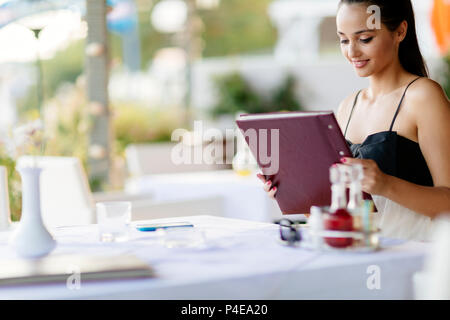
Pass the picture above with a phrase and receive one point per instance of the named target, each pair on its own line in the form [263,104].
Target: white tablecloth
[244,197]
[242,260]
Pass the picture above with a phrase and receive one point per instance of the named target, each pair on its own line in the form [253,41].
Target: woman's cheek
[382,54]
[344,52]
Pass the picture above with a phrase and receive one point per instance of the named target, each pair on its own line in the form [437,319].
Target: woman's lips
[360,63]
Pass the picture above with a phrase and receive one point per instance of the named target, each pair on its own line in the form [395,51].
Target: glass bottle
[339,219]
[244,164]
[356,203]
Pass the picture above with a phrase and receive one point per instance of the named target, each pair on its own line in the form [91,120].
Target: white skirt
[396,221]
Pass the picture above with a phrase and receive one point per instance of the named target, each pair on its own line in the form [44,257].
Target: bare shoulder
[428,95]
[431,109]
[344,109]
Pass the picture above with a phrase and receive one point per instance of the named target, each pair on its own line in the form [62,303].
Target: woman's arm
[431,109]
[430,201]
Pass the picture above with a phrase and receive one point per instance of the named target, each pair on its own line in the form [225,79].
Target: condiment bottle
[356,203]
[339,219]
[315,223]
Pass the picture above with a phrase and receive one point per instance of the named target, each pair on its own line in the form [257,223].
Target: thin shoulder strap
[400,104]
[351,113]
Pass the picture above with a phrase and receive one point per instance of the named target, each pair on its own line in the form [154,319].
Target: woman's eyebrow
[357,32]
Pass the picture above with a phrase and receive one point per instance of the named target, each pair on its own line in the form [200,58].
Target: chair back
[66,198]
[154,158]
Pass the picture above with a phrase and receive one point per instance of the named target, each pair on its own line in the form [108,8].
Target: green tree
[236,95]
[238,27]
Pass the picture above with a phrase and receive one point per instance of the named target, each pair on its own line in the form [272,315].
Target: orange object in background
[440,20]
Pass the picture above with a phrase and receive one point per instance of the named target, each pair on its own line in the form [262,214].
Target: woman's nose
[353,50]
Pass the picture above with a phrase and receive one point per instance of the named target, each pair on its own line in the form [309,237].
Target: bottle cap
[334,174]
[345,173]
[357,173]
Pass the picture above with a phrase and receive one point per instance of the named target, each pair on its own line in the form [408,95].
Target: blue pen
[156,226]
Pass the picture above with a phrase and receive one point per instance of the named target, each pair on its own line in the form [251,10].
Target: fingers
[272,192]
[347,160]
[267,186]
[261,177]
[366,163]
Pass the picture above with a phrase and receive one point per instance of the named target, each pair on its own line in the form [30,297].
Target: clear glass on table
[113,219]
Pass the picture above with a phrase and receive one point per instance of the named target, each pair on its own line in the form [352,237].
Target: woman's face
[368,49]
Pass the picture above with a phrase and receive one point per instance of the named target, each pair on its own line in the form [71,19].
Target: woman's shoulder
[426,85]
[345,107]
[427,94]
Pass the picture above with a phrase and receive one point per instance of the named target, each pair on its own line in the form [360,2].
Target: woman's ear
[402,31]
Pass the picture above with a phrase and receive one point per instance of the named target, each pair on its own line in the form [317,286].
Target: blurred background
[106,75]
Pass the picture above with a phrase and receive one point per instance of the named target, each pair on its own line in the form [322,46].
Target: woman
[399,127]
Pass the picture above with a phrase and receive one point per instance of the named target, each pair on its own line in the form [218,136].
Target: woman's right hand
[267,186]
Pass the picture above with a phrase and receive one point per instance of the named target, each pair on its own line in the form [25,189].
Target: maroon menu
[295,151]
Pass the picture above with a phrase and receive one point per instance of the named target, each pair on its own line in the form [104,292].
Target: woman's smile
[360,63]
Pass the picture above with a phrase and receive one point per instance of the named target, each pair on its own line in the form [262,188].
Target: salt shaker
[315,222]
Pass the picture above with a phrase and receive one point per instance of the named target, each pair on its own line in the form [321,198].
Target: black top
[395,155]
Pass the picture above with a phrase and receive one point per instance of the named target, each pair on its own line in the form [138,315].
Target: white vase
[31,238]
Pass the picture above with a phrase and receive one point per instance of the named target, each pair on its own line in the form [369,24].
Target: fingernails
[268,182]
[343,160]
[274,189]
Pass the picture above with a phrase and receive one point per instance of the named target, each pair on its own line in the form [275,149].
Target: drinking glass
[184,237]
[113,219]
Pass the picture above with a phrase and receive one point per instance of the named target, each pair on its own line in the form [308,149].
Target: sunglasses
[289,231]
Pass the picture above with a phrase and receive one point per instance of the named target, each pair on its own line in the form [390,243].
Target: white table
[244,197]
[243,261]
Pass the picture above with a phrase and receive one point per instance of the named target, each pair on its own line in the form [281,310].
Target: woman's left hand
[375,181]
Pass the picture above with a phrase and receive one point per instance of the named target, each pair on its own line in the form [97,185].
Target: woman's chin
[363,73]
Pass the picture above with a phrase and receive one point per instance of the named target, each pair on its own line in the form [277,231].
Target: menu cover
[295,151]
[58,269]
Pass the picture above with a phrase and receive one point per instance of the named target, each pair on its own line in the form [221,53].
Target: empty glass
[113,219]
[184,237]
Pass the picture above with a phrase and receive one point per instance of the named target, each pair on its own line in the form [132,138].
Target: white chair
[153,209]
[66,198]
[155,158]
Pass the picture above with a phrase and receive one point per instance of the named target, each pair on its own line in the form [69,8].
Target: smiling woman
[397,19]
[397,128]
[407,168]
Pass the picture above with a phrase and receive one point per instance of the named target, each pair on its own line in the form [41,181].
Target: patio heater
[96,65]
[37,24]
[34,15]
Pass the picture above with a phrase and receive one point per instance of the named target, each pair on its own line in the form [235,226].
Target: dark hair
[393,13]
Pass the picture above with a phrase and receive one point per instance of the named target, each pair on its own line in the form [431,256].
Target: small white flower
[27,135]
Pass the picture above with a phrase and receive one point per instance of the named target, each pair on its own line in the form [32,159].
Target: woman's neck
[387,80]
